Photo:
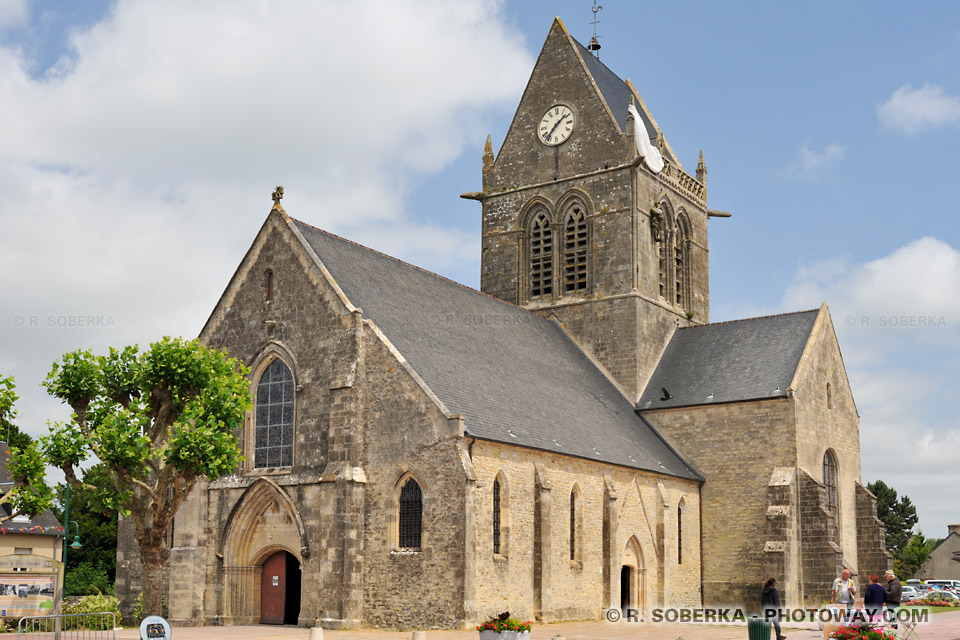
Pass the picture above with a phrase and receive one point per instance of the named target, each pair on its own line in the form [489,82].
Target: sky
[140,143]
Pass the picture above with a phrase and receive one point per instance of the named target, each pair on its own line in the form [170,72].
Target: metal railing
[69,626]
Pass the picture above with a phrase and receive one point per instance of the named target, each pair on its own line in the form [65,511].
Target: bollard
[419,635]
[316,633]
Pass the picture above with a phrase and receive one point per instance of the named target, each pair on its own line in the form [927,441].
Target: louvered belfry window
[679,258]
[273,434]
[541,257]
[496,516]
[411,515]
[575,251]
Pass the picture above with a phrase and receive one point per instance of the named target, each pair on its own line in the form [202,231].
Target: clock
[556,125]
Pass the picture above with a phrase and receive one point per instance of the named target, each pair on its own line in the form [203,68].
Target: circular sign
[155,627]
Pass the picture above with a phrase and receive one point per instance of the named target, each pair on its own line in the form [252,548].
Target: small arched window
[575,250]
[680,533]
[541,256]
[829,397]
[573,525]
[268,285]
[830,480]
[496,516]
[273,431]
[410,518]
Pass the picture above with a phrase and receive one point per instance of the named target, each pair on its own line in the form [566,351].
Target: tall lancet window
[541,256]
[575,251]
[680,265]
[830,481]
[273,433]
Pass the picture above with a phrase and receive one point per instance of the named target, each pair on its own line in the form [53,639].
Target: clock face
[556,125]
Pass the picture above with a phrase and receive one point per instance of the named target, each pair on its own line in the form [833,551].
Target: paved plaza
[942,626]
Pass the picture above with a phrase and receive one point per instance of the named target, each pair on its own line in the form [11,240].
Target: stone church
[576,436]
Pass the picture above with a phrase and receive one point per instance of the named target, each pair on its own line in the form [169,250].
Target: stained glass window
[273,446]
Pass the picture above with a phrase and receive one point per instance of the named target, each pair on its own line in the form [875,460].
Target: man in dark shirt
[894,593]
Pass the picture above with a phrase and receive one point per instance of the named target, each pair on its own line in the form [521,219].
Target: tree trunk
[152,584]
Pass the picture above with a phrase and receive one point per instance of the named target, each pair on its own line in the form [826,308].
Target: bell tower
[581,227]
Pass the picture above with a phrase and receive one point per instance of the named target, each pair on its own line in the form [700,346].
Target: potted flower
[503,627]
[863,631]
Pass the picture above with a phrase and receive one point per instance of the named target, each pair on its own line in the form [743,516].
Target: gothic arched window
[680,264]
[830,480]
[680,533]
[573,525]
[273,429]
[410,518]
[575,250]
[496,516]
[541,256]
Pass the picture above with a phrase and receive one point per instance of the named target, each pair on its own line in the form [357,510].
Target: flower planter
[504,635]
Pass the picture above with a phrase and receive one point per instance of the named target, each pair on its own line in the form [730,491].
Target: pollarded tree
[158,421]
[28,493]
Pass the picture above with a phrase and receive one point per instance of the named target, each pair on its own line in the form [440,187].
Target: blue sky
[139,144]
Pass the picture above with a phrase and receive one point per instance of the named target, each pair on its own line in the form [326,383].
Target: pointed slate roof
[614,91]
[732,361]
[515,377]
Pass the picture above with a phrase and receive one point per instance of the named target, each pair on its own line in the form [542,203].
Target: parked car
[909,593]
[953,585]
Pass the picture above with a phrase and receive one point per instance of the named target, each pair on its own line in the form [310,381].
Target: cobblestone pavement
[942,626]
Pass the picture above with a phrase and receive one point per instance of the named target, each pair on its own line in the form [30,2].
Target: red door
[273,588]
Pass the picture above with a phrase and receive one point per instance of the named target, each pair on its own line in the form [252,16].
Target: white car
[909,593]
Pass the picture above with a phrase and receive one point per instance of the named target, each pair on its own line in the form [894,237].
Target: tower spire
[701,170]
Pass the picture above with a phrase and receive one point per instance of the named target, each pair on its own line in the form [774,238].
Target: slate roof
[45,519]
[515,377]
[730,361]
[615,91]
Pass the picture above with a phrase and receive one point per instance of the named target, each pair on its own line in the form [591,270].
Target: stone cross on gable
[277,196]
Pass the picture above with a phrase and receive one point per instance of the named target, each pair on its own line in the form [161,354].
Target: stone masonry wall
[872,554]
[821,559]
[736,447]
[834,425]
[575,589]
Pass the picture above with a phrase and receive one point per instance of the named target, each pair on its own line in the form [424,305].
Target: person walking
[844,591]
[770,604]
[893,596]
[873,599]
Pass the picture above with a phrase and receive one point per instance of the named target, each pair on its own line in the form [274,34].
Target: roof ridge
[580,44]
[413,266]
[772,315]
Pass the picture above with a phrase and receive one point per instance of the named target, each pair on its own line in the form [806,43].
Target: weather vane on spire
[594,45]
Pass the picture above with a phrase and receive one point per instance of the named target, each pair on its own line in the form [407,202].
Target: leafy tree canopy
[914,555]
[158,421]
[29,494]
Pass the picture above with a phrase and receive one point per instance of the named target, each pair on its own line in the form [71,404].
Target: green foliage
[913,555]
[87,579]
[29,492]
[98,533]
[898,516]
[97,603]
[158,421]
[138,608]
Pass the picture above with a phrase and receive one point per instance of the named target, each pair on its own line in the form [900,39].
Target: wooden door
[273,589]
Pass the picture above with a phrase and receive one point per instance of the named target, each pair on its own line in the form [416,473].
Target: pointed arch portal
[262,550]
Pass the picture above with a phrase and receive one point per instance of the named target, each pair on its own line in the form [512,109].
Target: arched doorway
[280,589]
[260,541]
[633,578]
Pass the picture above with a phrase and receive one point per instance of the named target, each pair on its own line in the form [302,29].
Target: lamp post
[66,534]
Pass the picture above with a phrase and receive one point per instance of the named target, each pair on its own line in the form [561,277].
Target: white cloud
[912,110]
[140,167]
[12,13]
[898,322]
[811,163]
